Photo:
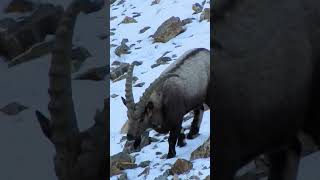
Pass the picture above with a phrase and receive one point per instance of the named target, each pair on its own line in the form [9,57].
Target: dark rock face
[168,30]
[18,37]
[19,6]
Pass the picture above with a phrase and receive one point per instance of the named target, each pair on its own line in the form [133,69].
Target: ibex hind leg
[181,138]
[197,119]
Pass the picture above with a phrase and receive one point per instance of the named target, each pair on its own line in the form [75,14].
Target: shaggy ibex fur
[181,88]
[79,155]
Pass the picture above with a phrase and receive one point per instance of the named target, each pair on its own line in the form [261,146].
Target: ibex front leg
[173,137]
[197,119]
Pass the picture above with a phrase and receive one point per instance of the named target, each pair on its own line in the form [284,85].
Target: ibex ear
[124,101]
[149,106]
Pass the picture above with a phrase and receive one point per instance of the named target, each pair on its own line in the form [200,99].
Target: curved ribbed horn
[147,93]
[128,89]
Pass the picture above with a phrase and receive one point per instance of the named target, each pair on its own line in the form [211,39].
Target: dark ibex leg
[182,138]
[173,137]
[285,163]
[195,126]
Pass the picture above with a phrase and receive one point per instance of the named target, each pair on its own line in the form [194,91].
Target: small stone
[205,15]
[128,20]
[121,2]
[187,21]
[123,176]
[144,164]
[158,153]
[13,108]
[207,178]
[114,95]
[113,18]
[137,63]
[197,8]
[155,2]
[136,15]
[163,60]
[145,172]
[116,63]
[194,177]
[181,166]
[139,84]
[154,65]
[144,29]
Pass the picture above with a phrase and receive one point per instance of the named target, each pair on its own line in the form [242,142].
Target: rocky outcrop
[168,30]
[202,151]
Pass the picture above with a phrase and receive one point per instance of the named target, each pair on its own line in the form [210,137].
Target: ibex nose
[130,137]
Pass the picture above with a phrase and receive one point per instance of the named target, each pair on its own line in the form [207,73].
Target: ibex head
[147,113]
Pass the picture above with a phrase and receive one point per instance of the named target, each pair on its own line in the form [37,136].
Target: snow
[197,35]
[25,152]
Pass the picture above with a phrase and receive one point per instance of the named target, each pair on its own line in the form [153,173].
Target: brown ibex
[182,87]
[79,155]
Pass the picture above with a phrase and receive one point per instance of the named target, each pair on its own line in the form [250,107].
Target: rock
[128,20]
[181,166]
[78,56]
[205,15]
[116,63]
[144,29]
[114,95]
[112,33]
[154,65]
[31,30]
[139,84]
[194,177]
[164,176]
[145,172]
[113,18]
[136,14]
[123,48]
[134,79]
[187,21]
[121,161]
[144,164]
[131,45]
[168,30]
[126,165]
[121,2]
[35,51]
[197,8]
[174,56]
[19,6]
[158,153]
[202,151]
[112,1]
[155,2]
[128,147]
[123,176]
[119,71]
[13,108]
[137,63]
[114,171]
[207,178]
[94,74]
[163,60]
[124,128]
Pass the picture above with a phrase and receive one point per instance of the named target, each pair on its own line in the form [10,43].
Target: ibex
[79,155]
[265,85]
[181,88]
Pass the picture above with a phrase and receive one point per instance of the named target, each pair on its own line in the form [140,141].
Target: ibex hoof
[170,155]
[192,136]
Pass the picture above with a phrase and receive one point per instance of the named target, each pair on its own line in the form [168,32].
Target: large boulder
[168,30]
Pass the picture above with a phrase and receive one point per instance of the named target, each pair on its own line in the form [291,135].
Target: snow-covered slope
[197,35]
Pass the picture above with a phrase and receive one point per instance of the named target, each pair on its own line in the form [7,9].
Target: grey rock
[144,29]
[202,151]
[187,21]
[155,2]
[168,30]
[13,108]
[119,71]
[144,164]
[94,74]
[137,63]
[197,8]
[128,20]
[123,48]
[114,95]
[181,166]
[205,15]
[139,84]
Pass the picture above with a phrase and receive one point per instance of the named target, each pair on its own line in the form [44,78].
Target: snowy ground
[25,152]
[197,35]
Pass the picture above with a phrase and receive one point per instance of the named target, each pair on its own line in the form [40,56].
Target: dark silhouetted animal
[265,83]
